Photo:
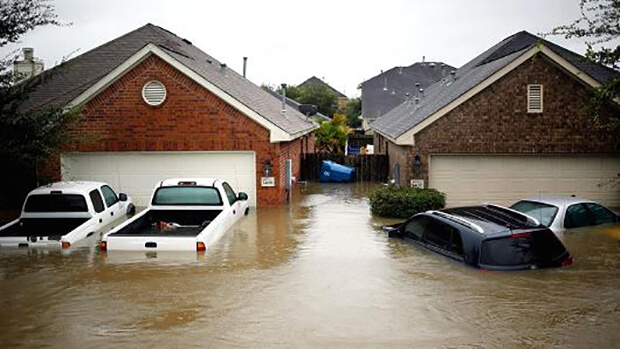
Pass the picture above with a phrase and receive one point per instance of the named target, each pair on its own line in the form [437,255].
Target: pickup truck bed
[191,223]
[53,228]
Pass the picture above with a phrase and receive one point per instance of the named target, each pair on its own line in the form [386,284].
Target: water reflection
[316,273]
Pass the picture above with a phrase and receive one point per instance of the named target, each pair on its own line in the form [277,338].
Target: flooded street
[319,273]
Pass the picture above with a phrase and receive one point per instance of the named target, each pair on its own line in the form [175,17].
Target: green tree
[27,137]
[353,112]
[321,96]
[332,135]
[599,25]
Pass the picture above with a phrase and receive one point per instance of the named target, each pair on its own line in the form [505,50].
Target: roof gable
[402,122]
[79,79]
[314,81]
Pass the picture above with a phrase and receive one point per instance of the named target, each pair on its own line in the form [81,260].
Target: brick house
[508,125]
[155,106]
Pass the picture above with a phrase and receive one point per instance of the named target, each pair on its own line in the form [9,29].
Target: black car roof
[491,219]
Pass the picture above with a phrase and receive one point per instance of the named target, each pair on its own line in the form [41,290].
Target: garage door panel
[137,173]
[504,179]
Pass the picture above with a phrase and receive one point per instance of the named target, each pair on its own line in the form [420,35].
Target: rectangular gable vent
[534,98]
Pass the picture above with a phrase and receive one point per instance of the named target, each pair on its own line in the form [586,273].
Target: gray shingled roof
[75,76]
[294,104]
[377,101]
[407,115]
[314,81]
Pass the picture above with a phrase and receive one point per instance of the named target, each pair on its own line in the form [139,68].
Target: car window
[578,216]
[444,236]
[230,193]
[543,212]
[202,196]
[109,195]
[56,203]
[95,197]
[414,229]
[600,214]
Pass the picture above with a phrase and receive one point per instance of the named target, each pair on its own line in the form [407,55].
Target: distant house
[314,81]
[155,106]
[318,117]
[383,92]
[508,125]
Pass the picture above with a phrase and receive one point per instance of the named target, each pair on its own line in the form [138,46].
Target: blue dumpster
[333,172]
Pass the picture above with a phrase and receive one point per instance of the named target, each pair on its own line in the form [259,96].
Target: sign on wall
[417,183]
[268,181]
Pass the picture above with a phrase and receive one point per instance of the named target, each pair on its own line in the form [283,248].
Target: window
[543,212]
[109,195]
[95,197]
[56,203]
[415,228]
[600,214]
[230,193]
[577,216]
[189,196]
[444,236]
[534,98]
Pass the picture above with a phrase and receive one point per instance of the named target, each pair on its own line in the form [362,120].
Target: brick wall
[495,121]
[191,118]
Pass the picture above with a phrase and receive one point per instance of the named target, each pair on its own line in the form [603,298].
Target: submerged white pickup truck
[63,213]
[185,214]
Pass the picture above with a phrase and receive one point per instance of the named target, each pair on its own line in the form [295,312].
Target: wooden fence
[373,168]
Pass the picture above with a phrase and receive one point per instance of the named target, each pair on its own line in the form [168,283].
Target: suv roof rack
[526,216]
[460,220]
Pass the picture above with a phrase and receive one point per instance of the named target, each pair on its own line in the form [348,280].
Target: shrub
[404,202]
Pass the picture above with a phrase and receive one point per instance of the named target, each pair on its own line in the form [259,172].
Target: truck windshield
[56,203]
[202,196]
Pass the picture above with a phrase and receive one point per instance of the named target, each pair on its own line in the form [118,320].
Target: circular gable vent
[154,93]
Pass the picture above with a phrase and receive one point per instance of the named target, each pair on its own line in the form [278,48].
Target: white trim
[407,138]
[276,133]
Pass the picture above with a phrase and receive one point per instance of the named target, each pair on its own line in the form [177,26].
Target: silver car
[561,213]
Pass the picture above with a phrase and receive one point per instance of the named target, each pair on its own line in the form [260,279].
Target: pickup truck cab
[188,214]
[63,213]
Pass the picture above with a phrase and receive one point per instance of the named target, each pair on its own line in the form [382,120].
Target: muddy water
[316,274]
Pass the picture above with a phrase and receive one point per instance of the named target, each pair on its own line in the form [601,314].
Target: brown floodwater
[318,273]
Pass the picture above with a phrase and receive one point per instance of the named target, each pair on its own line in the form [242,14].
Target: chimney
[28,54]
[29,66]
[245,63]
[421,93]
[283,111]
[453,76]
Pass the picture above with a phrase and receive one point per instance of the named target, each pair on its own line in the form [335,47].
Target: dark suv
[487,237]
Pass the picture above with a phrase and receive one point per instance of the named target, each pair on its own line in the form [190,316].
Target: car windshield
[207,196]
[56,203]
[543,212]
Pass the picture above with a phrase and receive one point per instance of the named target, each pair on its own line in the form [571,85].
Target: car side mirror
[242,196]
[122,197]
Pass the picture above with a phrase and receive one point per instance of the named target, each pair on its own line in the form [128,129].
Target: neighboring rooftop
[314,81]
[407,115]
[385,91]
[294,104]
[72,78]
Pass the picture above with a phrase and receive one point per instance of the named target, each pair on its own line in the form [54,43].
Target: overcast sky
[344,42]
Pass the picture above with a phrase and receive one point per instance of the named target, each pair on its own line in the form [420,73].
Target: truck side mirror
[242,196]
[122,197]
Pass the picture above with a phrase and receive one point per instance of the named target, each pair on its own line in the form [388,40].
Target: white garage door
[137,173]
[470,180]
